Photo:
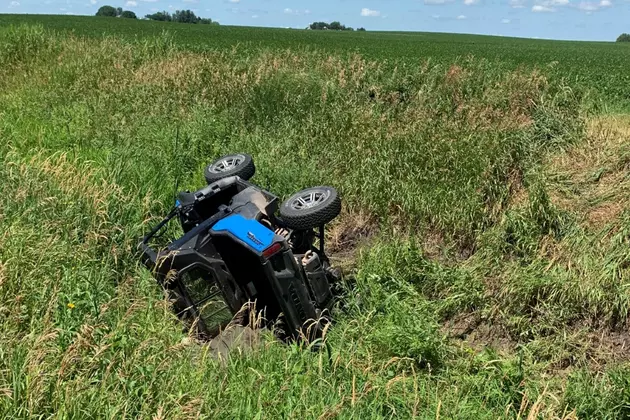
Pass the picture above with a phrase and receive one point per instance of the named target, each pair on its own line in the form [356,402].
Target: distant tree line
[180,16]
[332,26]
[110,11]
[624,38]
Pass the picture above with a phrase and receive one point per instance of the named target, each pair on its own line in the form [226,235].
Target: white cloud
[548,5]
[190,1]
[588,6]
[436,1]
[93,1]
[14,4]
[591,7]
[254,16]
[470,2]
[370,13]
[539,8]
[435,16]
[131,3]
[289,11]
[517,4]
[149,1]
[461,17]
[505,21]
[234,1]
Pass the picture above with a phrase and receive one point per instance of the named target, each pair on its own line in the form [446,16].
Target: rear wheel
[240,164]
[311,208]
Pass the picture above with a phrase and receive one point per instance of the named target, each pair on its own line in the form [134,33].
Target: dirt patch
[351,229]
[477,333]
[351,232]
[596,349]
[433,245]
[574,347]
[600,216]
[609,346]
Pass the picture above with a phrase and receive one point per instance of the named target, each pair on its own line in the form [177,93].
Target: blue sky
[556,19]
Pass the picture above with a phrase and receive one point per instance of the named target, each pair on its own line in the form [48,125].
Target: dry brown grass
[76,178]
[593,180]
[3,274]
[599,216]
[177,72]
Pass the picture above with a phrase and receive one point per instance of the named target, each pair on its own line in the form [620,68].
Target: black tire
[238,164]
[322,207]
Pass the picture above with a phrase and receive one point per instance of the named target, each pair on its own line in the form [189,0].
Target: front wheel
[311,208]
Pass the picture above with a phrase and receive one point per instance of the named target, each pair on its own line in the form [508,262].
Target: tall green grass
[447,159]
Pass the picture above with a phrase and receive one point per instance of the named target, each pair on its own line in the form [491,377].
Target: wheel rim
[226,164]
[309,199]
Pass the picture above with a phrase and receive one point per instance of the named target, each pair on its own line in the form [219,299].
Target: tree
[333,26]
[160,16]
[181,16]
[128,14]
[319,26]
[185,16]
[119,11]
[107,11]
[361,29]
[624,38]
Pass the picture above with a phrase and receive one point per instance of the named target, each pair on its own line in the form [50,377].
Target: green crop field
[485,234]
[598,66]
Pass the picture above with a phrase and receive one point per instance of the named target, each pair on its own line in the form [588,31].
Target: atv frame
[236,249]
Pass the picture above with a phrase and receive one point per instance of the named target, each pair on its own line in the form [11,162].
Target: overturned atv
[239,247]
